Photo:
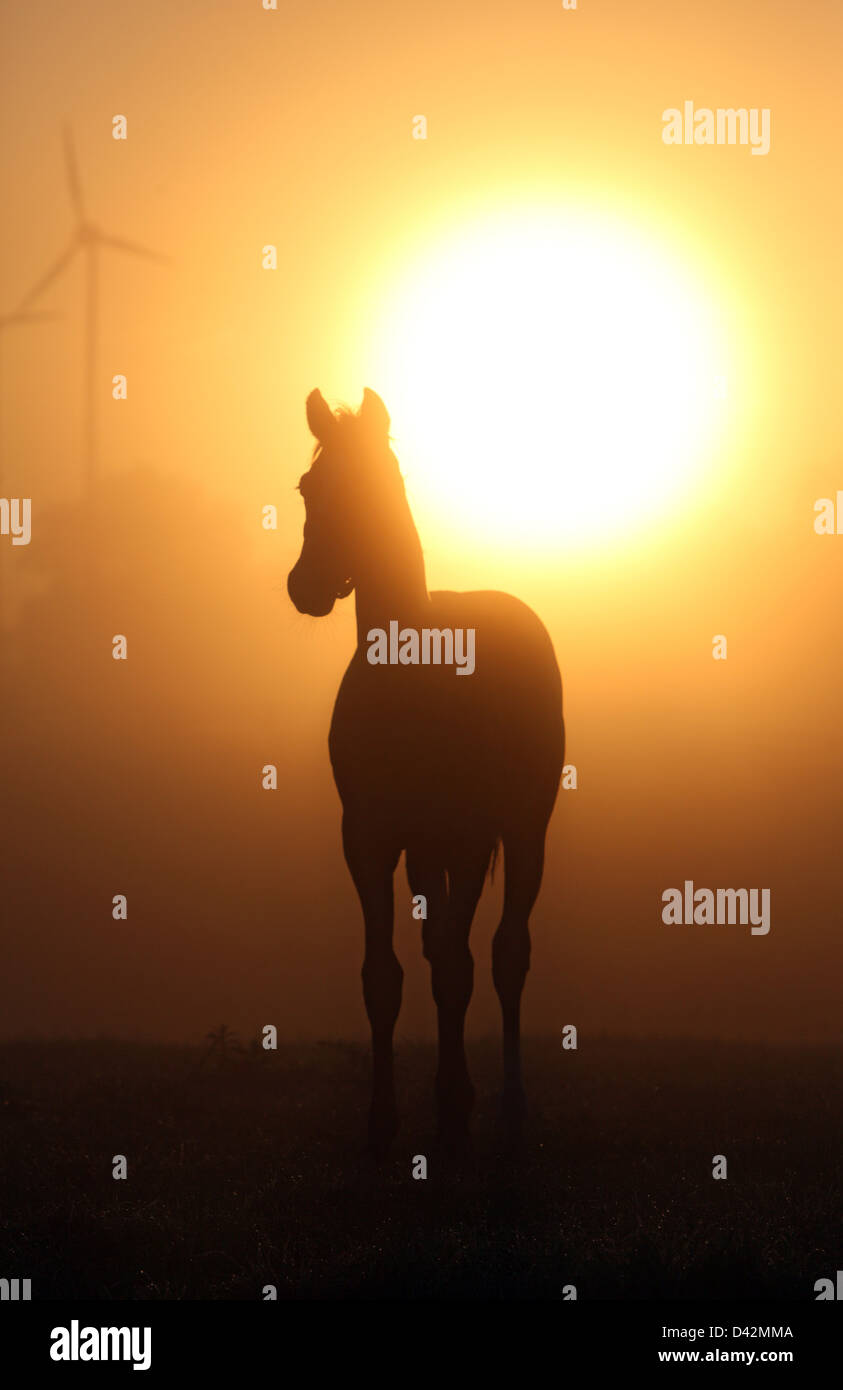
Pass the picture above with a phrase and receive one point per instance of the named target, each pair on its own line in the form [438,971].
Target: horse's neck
[390,582]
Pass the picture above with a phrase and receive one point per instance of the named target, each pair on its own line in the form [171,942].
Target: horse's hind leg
[445,938]
[523,865]
[372,865]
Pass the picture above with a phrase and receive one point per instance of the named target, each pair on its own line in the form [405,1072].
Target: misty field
[249,1169]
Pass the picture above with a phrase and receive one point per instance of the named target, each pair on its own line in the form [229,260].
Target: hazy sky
[294,128]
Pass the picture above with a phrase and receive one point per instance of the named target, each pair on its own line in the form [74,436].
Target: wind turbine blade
[73,175]
[120,244]
[55,270]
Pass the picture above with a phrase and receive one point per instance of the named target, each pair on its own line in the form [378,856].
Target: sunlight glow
[552,378]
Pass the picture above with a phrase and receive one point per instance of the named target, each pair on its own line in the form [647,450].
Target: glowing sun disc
[552,379]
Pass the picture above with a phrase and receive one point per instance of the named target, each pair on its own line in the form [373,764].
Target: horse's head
[341,490]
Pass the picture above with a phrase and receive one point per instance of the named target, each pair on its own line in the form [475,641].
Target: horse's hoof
[454,1101]
[513,1114]
[454,1140]
[383,1127]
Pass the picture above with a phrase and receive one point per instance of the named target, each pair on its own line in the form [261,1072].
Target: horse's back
[418,744]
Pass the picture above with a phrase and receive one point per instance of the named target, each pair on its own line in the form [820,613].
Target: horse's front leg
[372,862]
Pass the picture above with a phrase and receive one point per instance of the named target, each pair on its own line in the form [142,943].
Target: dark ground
[250,1170]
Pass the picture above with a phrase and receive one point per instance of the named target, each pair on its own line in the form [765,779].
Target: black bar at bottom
[218,1339]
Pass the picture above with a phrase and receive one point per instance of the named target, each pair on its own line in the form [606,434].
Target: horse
[441,763]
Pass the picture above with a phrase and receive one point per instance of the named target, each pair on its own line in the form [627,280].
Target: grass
[248,1169]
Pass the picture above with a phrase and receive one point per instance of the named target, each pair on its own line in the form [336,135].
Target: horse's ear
[374,413]
[320,416]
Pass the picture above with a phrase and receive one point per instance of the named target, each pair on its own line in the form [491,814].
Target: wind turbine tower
[89,241]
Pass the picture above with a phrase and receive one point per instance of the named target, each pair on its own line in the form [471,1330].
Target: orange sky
[248,127]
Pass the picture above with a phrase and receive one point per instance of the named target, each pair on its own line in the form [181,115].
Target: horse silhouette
[443,764]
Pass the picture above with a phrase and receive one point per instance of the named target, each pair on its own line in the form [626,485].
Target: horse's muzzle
[306,597]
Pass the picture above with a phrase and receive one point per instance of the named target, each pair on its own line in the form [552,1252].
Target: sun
[554,378]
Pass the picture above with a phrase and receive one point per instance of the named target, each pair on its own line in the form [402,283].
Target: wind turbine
[11,321]
[88,240]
